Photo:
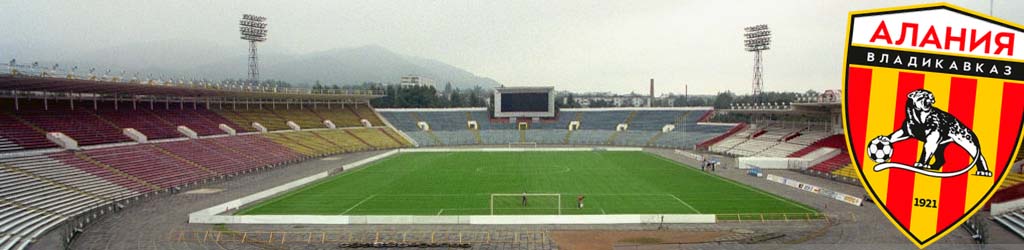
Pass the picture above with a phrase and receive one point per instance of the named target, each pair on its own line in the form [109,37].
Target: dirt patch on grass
[572,240]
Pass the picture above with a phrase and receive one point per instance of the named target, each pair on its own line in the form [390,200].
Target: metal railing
[766,217]
[333,237]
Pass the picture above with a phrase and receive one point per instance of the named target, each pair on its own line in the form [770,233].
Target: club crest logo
[932,110]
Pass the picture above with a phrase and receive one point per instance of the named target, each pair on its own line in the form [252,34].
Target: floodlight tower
[254,30]
[758,37]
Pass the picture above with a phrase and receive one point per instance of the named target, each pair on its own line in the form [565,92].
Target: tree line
[405,96]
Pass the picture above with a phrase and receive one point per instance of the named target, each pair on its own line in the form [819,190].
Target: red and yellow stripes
[875,105]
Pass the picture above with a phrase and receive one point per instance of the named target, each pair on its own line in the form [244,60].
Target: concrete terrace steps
[182,159]
[654,138]
[629,119]
[22,133]
[8,145]
[358,138]
[48,181]
[1012,221]
[476,136]
[682,118]
[612,137]
[89,159]
[416,116]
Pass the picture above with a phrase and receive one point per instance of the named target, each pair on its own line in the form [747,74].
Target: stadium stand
[302,116]
[423,139]
[341,117]
[774,139]
[149,164]
[848,171]
[455,137]
[499,136]
[375,138]
[43,185]
[833,141]
[125,116]
[199,119]
[448,127]
[546,136]
[603,120]
[366,112]
[245,118]
[15,134]
[80,123]
[39,191]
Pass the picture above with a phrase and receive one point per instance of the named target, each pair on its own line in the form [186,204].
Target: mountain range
[342,66]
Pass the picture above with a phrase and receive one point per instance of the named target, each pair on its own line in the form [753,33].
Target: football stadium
[114,160]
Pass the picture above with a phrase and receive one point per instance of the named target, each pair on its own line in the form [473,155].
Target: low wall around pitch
[460,220]
[501,149]
[212,214]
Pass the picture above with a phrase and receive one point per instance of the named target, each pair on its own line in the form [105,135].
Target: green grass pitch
[461,183]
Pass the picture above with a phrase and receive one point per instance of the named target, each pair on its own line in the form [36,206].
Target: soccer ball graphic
[880,149]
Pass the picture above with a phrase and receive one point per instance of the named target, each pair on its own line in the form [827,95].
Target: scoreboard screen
[524,102]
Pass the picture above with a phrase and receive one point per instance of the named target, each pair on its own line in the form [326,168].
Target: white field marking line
[316,183]
[360,203]
[685,204]
[440,212]
[516,194]
[772,195]
[737,184]
[602,211]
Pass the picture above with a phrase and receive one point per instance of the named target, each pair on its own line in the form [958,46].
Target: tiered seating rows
[834,141]
[31,201]
[80,123]
[1013,179]
[832,164]
[341,117]
[100,124]
[149,164]
[597,128]
[18,135]
[365,112]
[38,192]
[376,138]
[646,120]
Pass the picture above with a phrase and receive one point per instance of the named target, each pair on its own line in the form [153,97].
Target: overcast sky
[573,45]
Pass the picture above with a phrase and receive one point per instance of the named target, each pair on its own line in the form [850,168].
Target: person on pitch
[524,199]
[579,201]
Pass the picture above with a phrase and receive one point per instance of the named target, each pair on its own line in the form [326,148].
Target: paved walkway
[861,227]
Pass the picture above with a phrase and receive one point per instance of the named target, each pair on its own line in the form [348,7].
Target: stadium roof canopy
[114,86]
[823,108]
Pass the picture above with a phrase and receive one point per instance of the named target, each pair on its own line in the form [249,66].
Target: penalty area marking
[685,204]
[737,183]
[360,203]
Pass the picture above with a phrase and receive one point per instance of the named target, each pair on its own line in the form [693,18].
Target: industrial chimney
[650,98]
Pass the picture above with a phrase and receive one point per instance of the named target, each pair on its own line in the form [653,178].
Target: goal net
[522,145]
[513,204]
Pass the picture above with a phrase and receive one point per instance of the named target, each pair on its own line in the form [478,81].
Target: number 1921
[929,203]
